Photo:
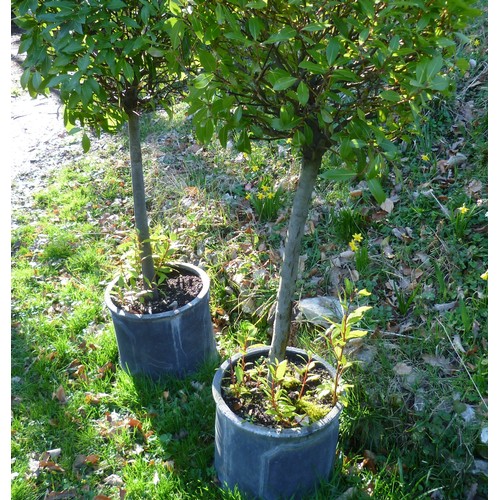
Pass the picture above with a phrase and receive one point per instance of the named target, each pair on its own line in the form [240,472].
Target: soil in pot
[302,396]
[178,289]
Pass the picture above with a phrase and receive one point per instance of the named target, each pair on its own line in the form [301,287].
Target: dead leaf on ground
[402,369]
[369,461]
[457,343]
[448,306]
[474,187]
[456,160]
[95,399]
[114,480]
[169,464]
[51,465]
[134,423]
[403,233]
[108,367]
[60,395]
[59,495]
[438,362]
[387,205]
[52,453]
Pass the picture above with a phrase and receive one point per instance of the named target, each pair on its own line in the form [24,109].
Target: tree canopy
[352,75]
[105,57]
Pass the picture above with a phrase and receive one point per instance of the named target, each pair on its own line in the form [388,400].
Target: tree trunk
[140,212]
[311,162]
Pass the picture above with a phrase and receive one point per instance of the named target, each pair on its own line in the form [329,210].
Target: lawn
[416,422]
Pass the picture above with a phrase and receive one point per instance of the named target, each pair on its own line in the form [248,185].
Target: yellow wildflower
[484,276]
[463,209]
[353,245]
[270,195]
[255,168]
[260,196]
[425,157]
[357,237]
[477,43]
[265,188]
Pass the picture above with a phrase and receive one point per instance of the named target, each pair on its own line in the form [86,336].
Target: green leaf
[358,143]
[339,174]
[318,26]
[355,334]
[303,93]
[285,34]
[390,95]
[345,75]
[298,139]
[128,72]
[284,83]
[202,81]
[281,370]
[174,7]
[258,4]
[155,52]
[312,67]
[434,67]
[85,142]
[115,5]
[36,80]
[394,43]
[440,83]
[25,77]
[332,50]
[368,8]
[255,26]
[207,60]
[445,42]
[357,314]
[326,116]
[145,14]
[376,190]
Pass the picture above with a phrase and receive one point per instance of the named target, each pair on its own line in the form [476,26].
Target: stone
[319,310]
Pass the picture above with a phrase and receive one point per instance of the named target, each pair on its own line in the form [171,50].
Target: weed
[346,222]
[266,200]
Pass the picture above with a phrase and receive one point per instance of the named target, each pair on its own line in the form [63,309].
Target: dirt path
[38,138]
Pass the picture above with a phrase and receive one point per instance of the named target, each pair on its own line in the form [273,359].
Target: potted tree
[112,60]
[348,78]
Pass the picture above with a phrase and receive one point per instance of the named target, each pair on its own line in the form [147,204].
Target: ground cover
[416,423]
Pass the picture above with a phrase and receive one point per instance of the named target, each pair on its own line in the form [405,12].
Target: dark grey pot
[171,343]
[268,463]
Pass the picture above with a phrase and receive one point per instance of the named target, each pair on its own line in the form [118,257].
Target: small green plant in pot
[295,394]
[112,61]
[283,415]
[347,78]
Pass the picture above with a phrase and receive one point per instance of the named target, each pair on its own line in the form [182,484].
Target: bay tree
[111,60]
[348,77]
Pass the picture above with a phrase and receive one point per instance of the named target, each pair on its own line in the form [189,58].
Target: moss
[314,410]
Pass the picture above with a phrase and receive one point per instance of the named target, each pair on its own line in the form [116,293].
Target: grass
[406,432]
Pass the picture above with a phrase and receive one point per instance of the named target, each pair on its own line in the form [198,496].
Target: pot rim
[262,429]
[198,271]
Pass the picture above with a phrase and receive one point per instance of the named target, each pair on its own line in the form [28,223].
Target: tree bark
[140,211]
[311,162]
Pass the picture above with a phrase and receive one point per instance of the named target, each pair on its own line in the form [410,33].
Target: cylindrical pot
[270,463]
[175,342]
